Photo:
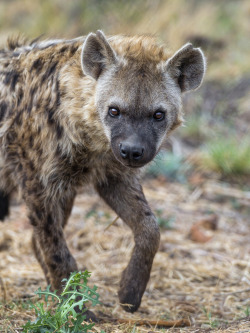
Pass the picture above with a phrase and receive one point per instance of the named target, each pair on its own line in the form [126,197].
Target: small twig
[156,323]
[234,292]
[113,222]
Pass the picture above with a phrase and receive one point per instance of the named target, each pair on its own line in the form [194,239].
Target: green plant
[63,317]
[134,330]
[164,221]
[228,156]
[213,323]
[247,311]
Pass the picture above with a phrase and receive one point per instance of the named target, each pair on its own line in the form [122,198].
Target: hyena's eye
[159,115]
[114,112]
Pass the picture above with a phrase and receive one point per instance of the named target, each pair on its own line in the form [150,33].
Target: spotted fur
[56,135]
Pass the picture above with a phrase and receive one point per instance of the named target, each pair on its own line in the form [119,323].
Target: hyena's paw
[130,299]
[131,290]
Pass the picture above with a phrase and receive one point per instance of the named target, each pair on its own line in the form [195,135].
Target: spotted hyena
[89,110]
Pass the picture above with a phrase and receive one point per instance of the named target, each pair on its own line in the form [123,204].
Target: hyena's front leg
[65,208]
[49,243]
[125,196]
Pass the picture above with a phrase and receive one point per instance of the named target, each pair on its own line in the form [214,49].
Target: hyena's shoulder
[29,77]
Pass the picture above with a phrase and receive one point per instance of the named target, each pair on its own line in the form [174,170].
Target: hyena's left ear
[187,66]
[97,54]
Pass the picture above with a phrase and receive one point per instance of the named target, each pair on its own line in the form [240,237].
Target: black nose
[131,151]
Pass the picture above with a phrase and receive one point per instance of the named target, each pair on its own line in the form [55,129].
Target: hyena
[93,110]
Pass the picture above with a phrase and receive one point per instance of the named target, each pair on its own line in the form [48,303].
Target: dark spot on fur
[12,155]
[48,224]
[30,191]
[30,104]
[74,168]
[38,213]
[20,167]
[58,151]
[24,154]
[57,259]
[63,49]
[39,130]
[24,180]
[50,117]
[60,155]
[31,141]
[33,221]
[33,91]
[39,151]
[11,78]
[49,220]
[18,119]
[148,213]
[37,65]
[11,136]
[73,49]
[52,266]
[20,95]
[3,108]
[142,73]
[4,205]
[85,170]
[55,240]
[59,131]
[32,168]
[51,69]
[58,96]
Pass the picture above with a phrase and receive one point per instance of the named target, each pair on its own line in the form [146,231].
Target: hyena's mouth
[134,166]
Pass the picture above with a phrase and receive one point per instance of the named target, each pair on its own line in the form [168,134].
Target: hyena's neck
[77,105]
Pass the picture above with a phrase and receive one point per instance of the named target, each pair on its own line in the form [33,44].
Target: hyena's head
[138,91]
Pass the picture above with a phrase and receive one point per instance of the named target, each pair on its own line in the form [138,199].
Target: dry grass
[208,283]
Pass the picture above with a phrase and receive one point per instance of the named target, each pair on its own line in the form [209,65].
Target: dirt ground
[200,273]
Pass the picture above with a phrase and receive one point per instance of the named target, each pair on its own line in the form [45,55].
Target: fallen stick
[113,222]
[156,323]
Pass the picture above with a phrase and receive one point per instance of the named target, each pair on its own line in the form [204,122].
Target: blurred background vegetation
[215,141]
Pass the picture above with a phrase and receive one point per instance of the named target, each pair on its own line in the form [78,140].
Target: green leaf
[65,318]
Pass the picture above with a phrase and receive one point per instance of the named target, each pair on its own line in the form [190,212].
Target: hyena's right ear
[97,54]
